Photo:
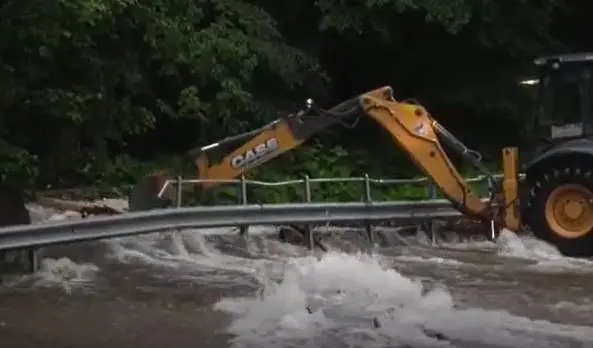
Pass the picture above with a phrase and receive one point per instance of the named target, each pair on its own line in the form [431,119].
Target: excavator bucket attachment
[145,194]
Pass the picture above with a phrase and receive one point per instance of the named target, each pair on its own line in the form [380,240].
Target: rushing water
[210,288]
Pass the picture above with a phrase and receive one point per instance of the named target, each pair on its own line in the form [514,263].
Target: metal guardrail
[34,236]
[307,182]
[243,215]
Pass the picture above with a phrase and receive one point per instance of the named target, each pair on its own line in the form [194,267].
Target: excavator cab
[557,195]
[565,98]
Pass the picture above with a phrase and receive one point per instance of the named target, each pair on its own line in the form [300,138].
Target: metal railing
[161,220]
[306,183]
[30,237]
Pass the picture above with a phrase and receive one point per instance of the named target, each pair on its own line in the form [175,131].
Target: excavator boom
[410,126]
[266,143]
[418,134]
[259,146]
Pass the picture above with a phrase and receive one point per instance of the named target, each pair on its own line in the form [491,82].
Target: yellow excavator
[554,200]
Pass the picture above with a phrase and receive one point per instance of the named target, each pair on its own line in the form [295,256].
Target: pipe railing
[306,182]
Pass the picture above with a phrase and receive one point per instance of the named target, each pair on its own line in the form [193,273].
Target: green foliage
[90,86]
[19,167]
[89,73]
[472,49]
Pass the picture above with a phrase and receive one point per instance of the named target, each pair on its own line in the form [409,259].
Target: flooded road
[210,288]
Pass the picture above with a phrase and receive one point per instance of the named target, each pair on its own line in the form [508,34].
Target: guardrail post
[490,188]
[307,191]
[432,224]
[175,236]
[368,195]
[20,261]
[179,192]
[243,230]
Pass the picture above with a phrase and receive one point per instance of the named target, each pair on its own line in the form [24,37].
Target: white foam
[65,273]
[510,244]
[585,305]
[115,203]
[472,245]
[62,273]
[187,248]
[272,248]
[120,251]
[428,259]
[547,256]
[40,214]
[345,292]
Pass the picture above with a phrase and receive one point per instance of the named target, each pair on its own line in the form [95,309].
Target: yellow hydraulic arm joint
[412,127]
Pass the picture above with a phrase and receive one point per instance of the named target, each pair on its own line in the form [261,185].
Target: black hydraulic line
[474,157]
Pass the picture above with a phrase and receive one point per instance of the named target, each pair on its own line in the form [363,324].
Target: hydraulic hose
[471,155]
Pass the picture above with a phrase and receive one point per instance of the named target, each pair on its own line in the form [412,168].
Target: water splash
[192,253]
[332,302]
[57,273]
[547,256]
[65,273]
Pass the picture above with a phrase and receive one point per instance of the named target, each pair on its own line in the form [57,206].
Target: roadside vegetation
[96,93]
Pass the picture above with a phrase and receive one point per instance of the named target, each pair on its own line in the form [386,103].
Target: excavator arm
[418,134]
[415,131]
[410,126]
[255,148]
[266,143]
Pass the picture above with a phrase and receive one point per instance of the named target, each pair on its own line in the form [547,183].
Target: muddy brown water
[123,314]
[124,306]
[153,291]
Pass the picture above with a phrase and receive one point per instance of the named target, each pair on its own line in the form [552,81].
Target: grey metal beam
[28,236]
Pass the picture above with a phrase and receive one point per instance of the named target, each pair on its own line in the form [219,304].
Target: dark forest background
[99,92]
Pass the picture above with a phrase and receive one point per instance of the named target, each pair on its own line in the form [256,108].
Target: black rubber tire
[538,187]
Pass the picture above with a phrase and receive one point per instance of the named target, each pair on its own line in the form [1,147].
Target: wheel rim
[569,211]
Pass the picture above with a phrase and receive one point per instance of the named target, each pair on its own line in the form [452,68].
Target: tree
[462,59]
[81,75]
[87,80]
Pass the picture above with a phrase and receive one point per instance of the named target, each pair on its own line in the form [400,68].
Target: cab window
[566,99]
